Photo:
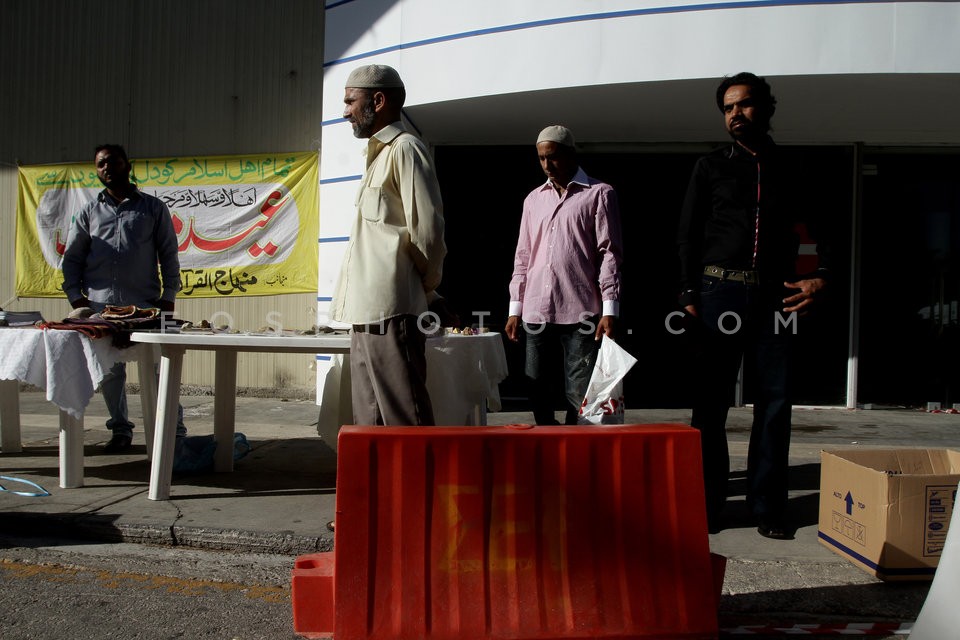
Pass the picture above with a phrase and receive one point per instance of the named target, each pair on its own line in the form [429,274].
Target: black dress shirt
[741,212]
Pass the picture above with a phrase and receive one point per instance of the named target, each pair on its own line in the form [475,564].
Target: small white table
[462,376]
[226,346]
[69,366]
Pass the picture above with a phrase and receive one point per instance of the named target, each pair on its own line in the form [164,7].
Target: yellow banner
[246,225]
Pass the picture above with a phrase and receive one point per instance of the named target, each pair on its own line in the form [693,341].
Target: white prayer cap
[557,133]
[374,76]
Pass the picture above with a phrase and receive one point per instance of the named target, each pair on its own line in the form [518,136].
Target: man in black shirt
[738,247]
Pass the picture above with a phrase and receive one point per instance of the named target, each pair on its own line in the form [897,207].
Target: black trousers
[745,323]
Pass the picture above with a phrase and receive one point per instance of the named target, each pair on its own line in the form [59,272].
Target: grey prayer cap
[556,133]
[374,76]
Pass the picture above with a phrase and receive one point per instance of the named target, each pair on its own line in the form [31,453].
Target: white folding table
[226,347]
[69,366]
[462,376]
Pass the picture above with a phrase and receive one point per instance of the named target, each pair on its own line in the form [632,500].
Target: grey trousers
[388,374]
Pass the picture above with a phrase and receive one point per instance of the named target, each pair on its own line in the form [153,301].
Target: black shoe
[118,443]
[774,529]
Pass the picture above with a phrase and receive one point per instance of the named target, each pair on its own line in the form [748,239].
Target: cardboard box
[888,510]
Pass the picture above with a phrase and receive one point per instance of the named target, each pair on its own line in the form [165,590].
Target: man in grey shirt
[114,248]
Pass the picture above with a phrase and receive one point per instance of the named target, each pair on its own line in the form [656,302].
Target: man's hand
[80,302]
[604,328]
[165,305]
[806,298]
[513,328]
[691,309]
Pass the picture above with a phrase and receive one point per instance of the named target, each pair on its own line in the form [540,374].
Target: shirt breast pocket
[138,230]
[370,204]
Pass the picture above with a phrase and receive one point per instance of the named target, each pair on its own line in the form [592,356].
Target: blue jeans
[741,322]
[545,343]
[113,388]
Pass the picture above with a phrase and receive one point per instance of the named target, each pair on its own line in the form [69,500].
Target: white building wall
[452,53]
[624,73]
[453,50]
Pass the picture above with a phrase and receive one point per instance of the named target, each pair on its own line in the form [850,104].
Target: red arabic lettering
[267,210]
[61,247]
[256,250]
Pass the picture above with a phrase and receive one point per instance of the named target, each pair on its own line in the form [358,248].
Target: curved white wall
[453,50]
[634,72]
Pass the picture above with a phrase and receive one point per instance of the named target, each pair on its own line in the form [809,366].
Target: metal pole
[853,335]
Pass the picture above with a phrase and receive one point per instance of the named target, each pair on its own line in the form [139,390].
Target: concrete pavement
[281,496]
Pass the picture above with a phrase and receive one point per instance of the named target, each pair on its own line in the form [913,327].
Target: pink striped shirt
[567,263]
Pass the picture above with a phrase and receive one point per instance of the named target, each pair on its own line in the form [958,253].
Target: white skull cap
[374,76]
[556,133]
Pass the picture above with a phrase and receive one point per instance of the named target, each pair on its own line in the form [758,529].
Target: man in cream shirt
[394,260]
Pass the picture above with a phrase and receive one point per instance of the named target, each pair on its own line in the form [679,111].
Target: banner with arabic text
[246,225]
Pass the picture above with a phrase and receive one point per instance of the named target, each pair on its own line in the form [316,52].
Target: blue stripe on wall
[609,15]
[340,179]
[334,239]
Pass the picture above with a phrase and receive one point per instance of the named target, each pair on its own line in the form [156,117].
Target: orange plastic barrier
[545,532]
[311,590]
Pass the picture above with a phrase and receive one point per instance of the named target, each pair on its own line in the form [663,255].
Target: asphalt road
[59,589]
[54,589]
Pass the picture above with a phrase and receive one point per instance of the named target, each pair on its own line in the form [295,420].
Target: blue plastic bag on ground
[194,454]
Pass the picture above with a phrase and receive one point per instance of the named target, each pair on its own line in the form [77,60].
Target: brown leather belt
[737,275]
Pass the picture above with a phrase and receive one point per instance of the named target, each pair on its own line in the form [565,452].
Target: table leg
[479,413]
[10,416]
[147,370]
[164,438]
[346,394]
[224,408]
[71,451]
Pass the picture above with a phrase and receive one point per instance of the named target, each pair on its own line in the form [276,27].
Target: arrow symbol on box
[849,500]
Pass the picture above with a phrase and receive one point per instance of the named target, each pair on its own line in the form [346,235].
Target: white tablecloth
[462,372]
[67,364]
[463,376]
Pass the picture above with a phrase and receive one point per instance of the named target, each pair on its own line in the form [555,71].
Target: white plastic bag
[603,402]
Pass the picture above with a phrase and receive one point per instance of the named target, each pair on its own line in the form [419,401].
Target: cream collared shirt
[394,258]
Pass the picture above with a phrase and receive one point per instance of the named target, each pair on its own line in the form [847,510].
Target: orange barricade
[510,532]
[311,590]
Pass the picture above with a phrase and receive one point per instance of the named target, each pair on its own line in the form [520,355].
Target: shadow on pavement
[870,601]
[94,527]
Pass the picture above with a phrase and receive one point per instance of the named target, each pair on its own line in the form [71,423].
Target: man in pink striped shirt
[565,289]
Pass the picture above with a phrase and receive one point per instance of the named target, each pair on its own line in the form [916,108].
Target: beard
[115,181]
[751,131]
[363,122]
